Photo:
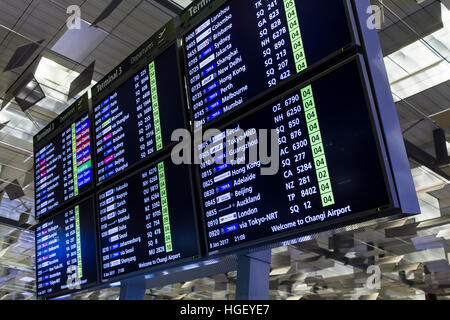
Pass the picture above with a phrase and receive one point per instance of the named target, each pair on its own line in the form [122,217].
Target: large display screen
[63,163]
[66,251]
[247,47]
[330,169]
[147,220]
[138,118]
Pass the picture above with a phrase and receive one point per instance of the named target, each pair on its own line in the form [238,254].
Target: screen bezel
[160,267]
[37,146]
[214,8]
[388,210]
[171,45]
[85,286]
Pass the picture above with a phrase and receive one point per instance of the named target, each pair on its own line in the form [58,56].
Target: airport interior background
[412,253]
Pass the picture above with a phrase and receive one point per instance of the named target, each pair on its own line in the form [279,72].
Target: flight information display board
[66,251]
[63,162]
[330,168]
[147,220]
[137,119]
[247,47]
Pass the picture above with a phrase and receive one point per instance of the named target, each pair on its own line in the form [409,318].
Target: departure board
[63,163]
[147,220]
[138,118]
[330,169]
[247,47]
[66,251]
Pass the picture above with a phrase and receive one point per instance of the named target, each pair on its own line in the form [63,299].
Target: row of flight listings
[111,201]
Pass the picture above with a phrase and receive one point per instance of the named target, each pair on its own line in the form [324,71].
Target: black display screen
[138,118]
[66,251]
[247,47]
[329,168]
[147,220]
[63,166]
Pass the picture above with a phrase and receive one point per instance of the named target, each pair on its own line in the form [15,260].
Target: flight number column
[72,228]
[67,159]
[295,155]
[145,107]
[71,238]
[274,37]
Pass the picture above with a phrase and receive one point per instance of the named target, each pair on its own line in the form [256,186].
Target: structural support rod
[253,271]
[133,289]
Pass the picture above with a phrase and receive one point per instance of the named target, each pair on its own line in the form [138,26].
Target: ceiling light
[296,240]
[191,266]
[55,81]
[426,180]
[27,279]
[416,68]
[280,271]
[210,262]
[115,284]
[77,44]
[445,233]
[182,3]
[53,75]
[62,297]
[445,14]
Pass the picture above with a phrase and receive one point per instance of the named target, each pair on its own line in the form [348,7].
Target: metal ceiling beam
[440,145]
[424,158]
[446,3]
[14,224]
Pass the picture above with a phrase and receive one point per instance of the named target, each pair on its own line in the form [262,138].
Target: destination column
[117,244]
[214,67]
[47,181]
